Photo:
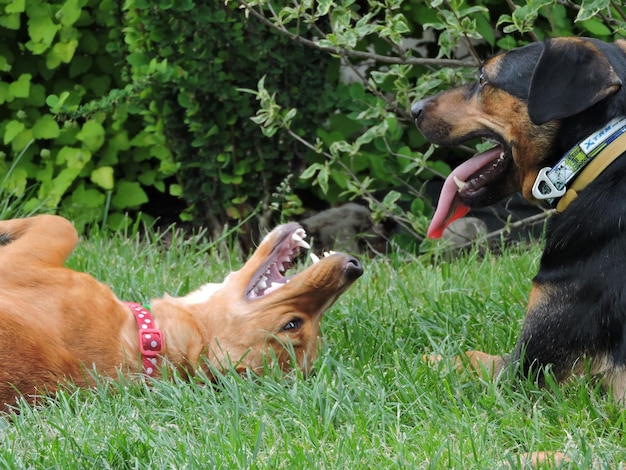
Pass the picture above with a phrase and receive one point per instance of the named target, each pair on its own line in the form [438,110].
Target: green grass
[372,402]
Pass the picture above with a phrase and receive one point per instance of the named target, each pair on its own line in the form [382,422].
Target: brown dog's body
[57,324]
[537,103]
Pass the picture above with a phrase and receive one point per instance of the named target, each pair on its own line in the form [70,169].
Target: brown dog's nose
[353,268]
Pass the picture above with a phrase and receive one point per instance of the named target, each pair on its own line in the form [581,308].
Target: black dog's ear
[570,76]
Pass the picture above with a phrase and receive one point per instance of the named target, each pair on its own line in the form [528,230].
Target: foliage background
[219,113]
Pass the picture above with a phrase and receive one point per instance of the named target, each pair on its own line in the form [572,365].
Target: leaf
[103,177]
[21,87]
[62,52]
[356,90]
[11,21]
[12,129]
[75,158]
[147,178]
[323,7]
[128,195]
[69,13]
[5,96]
[590,8]
[87,198]
[596,27]
[15,6]
[233,212]
[391,199]
[22,140]
[46,128]
[417,206]
[137,59]
[42,30]
[60,184]
[56,102]
[5,66]
[16,181]
[92,135]
[322,179]
[311,170]
[37,95]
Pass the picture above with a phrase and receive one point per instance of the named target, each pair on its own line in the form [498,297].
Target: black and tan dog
[556,110]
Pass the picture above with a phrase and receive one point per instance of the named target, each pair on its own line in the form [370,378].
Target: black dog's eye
[293,325]
[482,79]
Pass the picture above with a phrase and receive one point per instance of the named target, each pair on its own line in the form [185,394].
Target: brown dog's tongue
[450,206]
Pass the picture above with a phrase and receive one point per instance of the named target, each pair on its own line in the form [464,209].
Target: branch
[345,52]
[488,237]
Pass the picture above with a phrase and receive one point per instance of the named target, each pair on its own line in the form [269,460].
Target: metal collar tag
[544,188]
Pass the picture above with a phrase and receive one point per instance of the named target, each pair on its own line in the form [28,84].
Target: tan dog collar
[581,165]
[592,170]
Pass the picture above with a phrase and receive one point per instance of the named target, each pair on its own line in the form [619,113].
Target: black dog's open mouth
[477,181]
[468,184]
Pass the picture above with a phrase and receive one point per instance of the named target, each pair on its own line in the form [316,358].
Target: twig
[531,220]
[344,52]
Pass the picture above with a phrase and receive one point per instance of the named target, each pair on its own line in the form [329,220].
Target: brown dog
[557,112]
[58,325]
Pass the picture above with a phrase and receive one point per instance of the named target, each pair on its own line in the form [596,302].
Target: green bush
[55,56]
[209,52]
[107,104]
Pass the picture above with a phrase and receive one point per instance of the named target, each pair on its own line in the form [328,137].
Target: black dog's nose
[417,109]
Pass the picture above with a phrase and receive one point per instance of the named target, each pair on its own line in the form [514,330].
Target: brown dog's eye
[482,81]
[293,325]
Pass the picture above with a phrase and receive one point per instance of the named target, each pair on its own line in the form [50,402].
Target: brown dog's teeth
[297,238]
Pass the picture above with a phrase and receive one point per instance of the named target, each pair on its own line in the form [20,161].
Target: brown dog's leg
[484,363]
[534,459]
[46,239]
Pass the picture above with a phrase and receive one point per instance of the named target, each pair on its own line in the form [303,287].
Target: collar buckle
[544,187]
[150,342]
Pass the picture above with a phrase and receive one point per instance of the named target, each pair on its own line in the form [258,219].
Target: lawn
[372,402]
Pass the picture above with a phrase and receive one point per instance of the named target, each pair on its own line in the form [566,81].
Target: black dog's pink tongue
[450,206]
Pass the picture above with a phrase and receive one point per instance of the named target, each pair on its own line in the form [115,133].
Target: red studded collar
[150,337]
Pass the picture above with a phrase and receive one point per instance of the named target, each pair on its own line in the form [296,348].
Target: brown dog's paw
[544,458]
[432,359]
[482,363]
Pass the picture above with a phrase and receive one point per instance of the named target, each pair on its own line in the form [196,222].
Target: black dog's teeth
[475,181]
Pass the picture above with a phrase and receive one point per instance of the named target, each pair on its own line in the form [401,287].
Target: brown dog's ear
[570,76]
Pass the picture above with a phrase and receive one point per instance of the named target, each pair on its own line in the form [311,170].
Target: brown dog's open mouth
[468,184]
[271,275]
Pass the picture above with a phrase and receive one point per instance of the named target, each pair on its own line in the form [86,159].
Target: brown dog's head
[535,103]
[259,308]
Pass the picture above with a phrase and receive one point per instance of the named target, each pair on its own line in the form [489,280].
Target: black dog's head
[535,102]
